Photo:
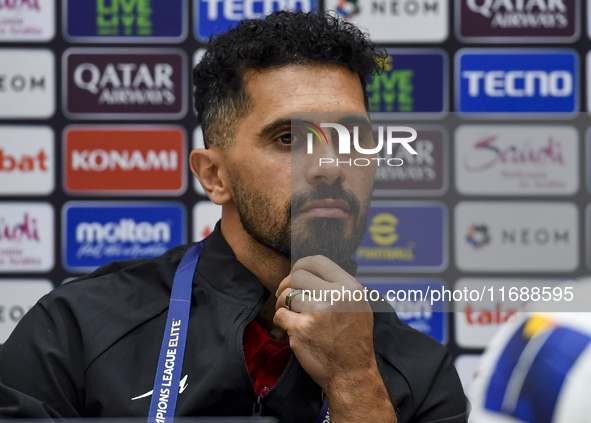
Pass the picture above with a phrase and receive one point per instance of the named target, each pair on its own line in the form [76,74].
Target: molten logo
[125,160]
[126,230]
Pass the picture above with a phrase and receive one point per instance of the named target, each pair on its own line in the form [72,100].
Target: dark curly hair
[280,39]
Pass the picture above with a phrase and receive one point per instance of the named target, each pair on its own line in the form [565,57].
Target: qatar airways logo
[361,144]
[124,82]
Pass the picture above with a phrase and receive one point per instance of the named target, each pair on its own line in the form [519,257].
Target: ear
[208,165]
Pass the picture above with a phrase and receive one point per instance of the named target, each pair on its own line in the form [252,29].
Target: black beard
[320,236]
[335,238]
[272,230]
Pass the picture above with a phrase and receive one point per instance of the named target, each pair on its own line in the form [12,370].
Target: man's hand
[334,342]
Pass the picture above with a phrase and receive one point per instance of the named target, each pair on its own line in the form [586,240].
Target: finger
[323,267]
[285,319]
[306,280]
[285,283]
[280,303]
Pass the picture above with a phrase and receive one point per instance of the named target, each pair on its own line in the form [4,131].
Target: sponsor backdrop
[96,125]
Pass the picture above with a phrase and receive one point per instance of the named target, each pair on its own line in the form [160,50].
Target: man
[91,348]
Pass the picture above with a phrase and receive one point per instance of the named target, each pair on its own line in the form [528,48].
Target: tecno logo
[125,160]
[519,83]
[126,230]
[250,9]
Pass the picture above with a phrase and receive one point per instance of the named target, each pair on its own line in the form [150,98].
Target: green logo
[124,17]
[392,90]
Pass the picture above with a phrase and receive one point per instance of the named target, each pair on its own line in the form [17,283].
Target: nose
[325,163]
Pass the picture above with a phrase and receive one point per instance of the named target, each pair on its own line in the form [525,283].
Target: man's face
[280,194]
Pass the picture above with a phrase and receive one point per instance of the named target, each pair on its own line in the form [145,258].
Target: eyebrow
[283,122]
[273,126]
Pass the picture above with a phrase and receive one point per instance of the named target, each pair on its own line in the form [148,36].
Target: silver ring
[289,296]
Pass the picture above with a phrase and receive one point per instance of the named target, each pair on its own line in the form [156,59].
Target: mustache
[324,191]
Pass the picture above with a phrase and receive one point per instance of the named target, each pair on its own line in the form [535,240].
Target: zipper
[257,409]
[257,406]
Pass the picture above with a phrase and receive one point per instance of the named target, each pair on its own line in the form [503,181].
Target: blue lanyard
[172,352]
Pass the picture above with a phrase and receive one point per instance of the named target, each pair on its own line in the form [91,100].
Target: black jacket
[90,346]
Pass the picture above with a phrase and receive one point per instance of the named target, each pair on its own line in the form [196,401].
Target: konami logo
[26,160]
[125,160]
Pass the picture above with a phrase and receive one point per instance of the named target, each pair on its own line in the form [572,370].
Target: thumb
[285,319]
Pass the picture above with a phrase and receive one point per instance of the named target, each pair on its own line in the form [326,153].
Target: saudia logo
[124,17]
[128,83]
[382,230]
[487,154]
[20,4]
[345,144]
[25,231]
[522,13]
